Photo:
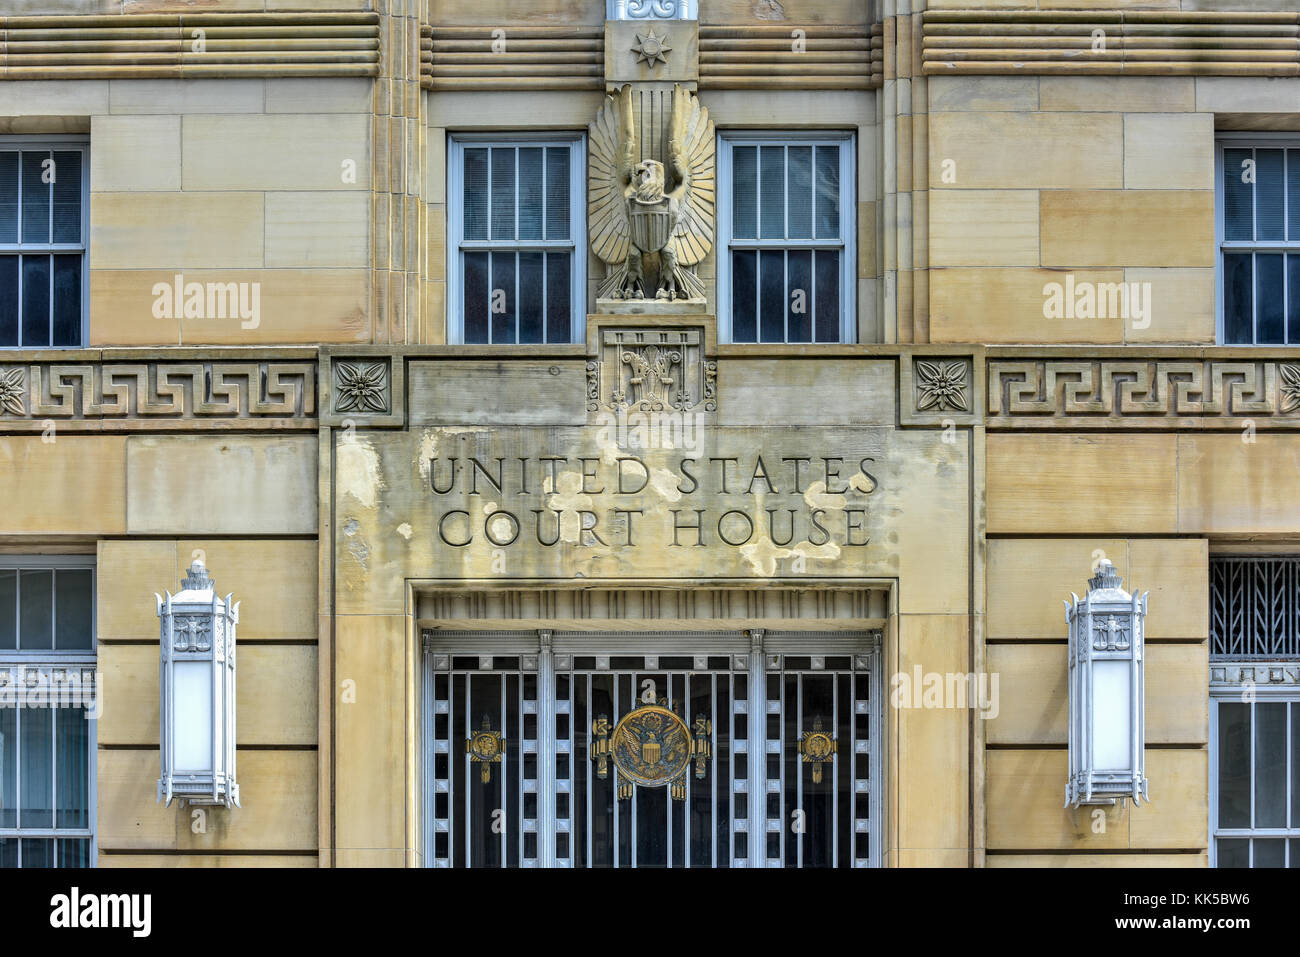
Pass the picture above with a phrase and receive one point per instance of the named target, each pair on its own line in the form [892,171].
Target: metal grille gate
[513,774]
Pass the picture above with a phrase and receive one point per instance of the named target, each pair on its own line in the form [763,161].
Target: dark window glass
[35,609]
[530,193]
[557,193]
[476,193]
[772,295]
[504,299]
[1233,852]
[72,756]
[1269,202]
[9,767]
[1270,852]
[36,773]
[38,852]
[531,292]
[8,609]
[1270,766]
[74,621]
[1238,195]
[801,192]
[744,295]
[8,196]
[744,192]
[1238,299]
[36,196]
[66,173]
[476,297]
[828,192]
[36,301]
[1234,765]
[828,295]
[9,300]
[67,300]
[503,192]
[559,309]
[772,199]
[800,296]
[1269,303]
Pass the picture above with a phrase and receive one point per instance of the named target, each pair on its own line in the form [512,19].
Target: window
[47,709]
[43,204]
[516,223]
[1259,241]
[787,218]
[1254,712]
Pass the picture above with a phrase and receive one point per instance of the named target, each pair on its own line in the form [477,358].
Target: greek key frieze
[158,390]
[1136,391]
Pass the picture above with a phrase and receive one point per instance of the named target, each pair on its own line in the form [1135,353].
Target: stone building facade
[942,304]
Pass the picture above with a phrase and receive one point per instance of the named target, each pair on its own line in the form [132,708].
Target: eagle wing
[612,138]
[692,149]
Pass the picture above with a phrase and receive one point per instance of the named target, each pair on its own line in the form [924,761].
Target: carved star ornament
[651,49]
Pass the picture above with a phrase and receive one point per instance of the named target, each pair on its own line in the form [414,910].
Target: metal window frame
[1264,693]
[44,659]
[866,642]
[53,141]
[847,243]
[1252,140]
[575,245]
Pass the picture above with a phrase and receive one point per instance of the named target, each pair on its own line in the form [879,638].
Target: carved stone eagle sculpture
[643,208]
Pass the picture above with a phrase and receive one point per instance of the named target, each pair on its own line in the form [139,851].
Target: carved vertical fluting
[398,214]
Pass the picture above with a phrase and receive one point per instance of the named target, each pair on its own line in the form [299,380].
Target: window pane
[1270,852]
[67,196]
[36,301]
[67,300]
[828,192]
[74,627]
[801,192]
[73,758]
[9,196]
[35,600]
[74,852]
[1238,295]
[1233,852]
[1293,196]
[772,202]
[37,852]
[9,300]
[36,772]
[476,193]
[1269,306]
[1269,211]
[36,198]
[559,308]
[8,608]
[1270,764]
[476,297]
[1238,196]
[1294,859]
[8,852]
[744,295]
[1293,296]
[530,297]
[8,767]
[771,266]
[1295,770]
[530,192]
[1234,765]
[503,297]
[557,193]
[503,192]
[828,295]
[744,192]
[800,295]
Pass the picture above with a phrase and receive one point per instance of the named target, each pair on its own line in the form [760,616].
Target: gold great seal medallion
[652,746]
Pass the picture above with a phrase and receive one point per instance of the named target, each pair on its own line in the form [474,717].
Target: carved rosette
[942,385]
[362,385]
